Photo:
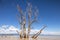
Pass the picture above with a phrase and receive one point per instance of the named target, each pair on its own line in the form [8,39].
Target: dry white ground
[39,38]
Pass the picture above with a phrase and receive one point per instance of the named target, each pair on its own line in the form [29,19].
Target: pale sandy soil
[39,38]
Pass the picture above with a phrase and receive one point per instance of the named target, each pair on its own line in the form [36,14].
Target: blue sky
[49,13]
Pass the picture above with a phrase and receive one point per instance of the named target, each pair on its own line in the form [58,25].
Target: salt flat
[39,38]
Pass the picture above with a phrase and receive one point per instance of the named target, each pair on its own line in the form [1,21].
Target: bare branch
[19,19]
[29,16]
[23,20]
[19,9]
[38,33]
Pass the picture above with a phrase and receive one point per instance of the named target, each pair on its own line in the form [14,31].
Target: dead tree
[23,20]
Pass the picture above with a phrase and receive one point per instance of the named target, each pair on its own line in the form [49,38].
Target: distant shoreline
[9,34]
[30,35]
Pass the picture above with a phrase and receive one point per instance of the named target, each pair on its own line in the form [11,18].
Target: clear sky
[49,13]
